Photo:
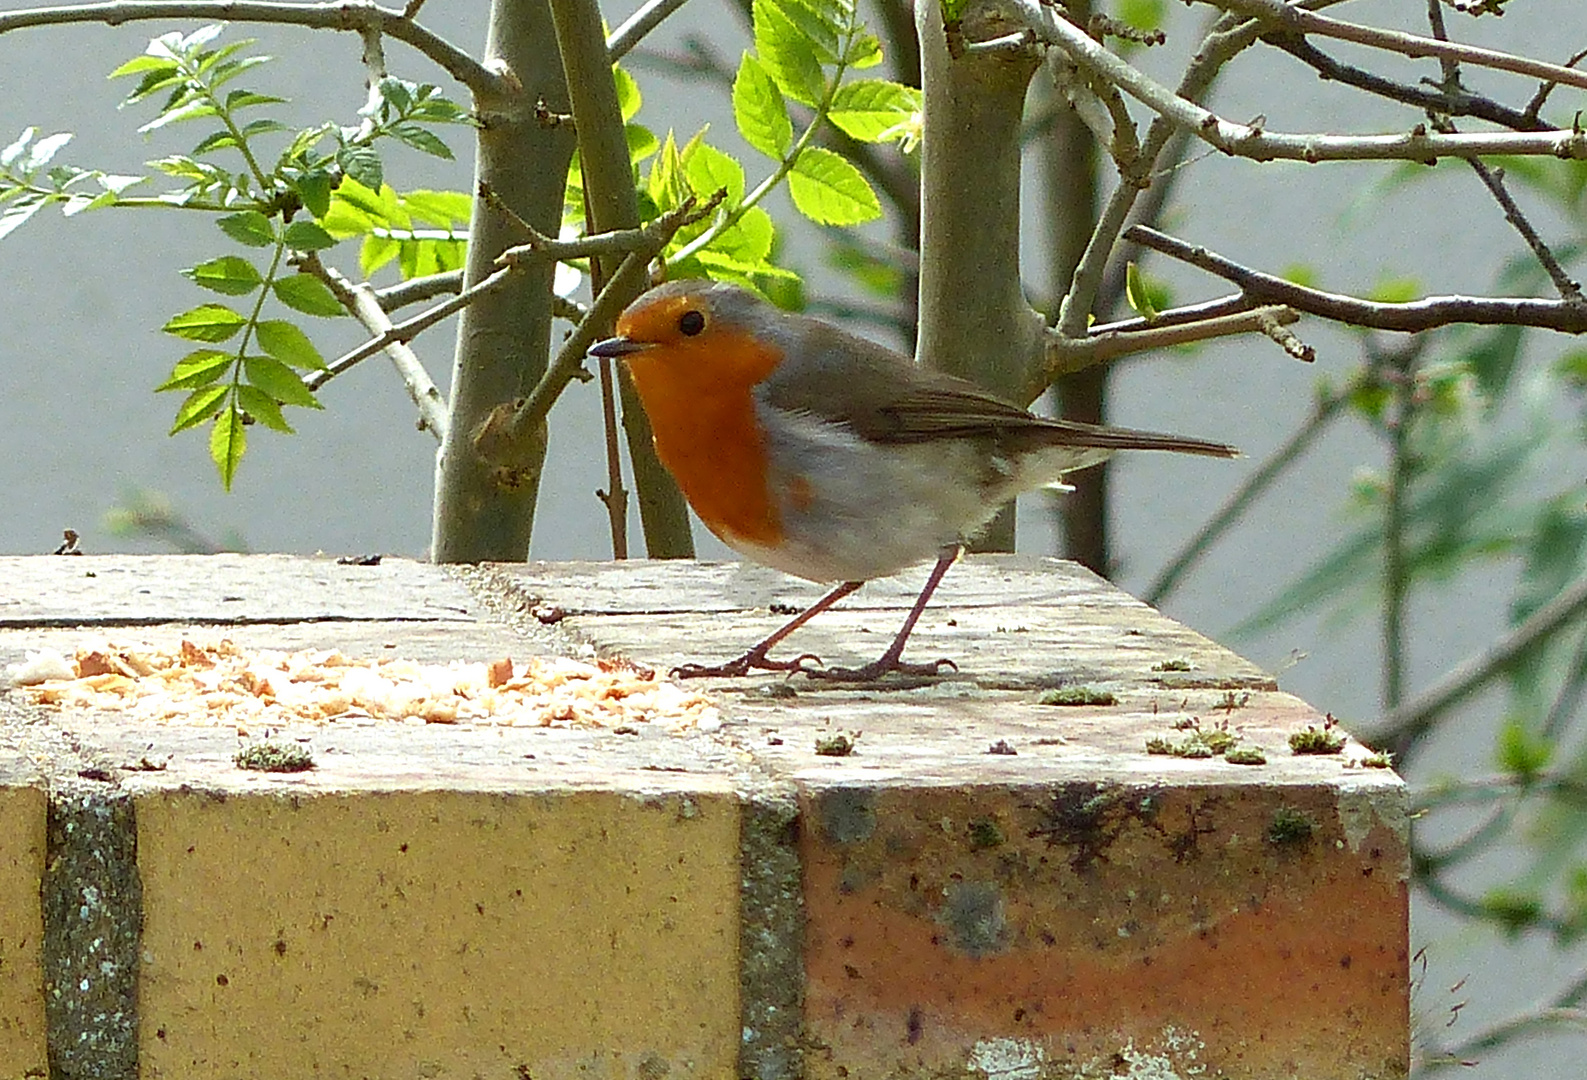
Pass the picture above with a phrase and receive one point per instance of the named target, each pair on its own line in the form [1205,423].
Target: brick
[1083,924]
[22,825]
[437,933]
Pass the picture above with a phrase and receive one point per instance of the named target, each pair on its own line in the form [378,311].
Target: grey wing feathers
[884,397]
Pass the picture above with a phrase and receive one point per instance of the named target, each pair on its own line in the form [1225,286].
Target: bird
[833,458]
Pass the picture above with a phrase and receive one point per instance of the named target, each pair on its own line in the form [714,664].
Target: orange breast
[697,394]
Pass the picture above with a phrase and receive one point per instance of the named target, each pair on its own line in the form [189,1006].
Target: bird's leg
[756,658]
[892,659]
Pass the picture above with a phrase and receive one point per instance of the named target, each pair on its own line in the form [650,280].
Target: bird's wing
[885,397]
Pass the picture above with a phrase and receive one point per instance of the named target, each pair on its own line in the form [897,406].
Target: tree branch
[1405,725]
[1252,141]
[361,300]
[1566,316]
[1453,103]
[1066,356]
[1222,43]
[417,290]
[358,16]
[1301,21]
[637,25]
[408,329]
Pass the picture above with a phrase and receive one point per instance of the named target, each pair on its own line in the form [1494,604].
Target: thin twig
[1539,99]
[408,329]
[1563,315]
[1225,40]
[1455,102]
[1064,357]
[532,410]
[1404,726]
[419,289]
[361,301]
[1301,21]
[637,25]
[349,15]
[1254,142]
[1402,466]
[1493,180]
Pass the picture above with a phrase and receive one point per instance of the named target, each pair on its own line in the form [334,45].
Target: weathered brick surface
[22,823]
[439,934]
[985,886]
[1082,923]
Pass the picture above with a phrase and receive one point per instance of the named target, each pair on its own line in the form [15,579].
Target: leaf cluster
[282,194]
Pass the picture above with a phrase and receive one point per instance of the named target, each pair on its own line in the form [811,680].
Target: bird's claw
[884,666]
[754,660]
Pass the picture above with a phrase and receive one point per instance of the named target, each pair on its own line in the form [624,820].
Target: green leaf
[314,188]
[200,405]
[362,163]
[208,322]
[279,381]
[228,441]
[708,169]
[642,142]
[1137,292]
[787,54]
[44,151]
[666,185]
[376,252]
[760,111]
[628,97]
[225,73]
[249,227]
[263,408]
[1142,14]
[262,126]
[193,110]
[247,99]
[307,236]
[864,52]
[750,238]
[443,208]
[198,368]
[140,64]
[215,140]
[14,151]
[822,24]
[869,109]
[308,294]
[398,93]
[1522,752]
[229,274]
[828,190]
[1515,910]
[286,341]
[421,139]
[14,215]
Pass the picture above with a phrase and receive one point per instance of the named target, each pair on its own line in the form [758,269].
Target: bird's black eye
[691,322]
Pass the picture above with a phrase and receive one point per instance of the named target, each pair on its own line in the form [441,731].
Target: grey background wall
[80,353]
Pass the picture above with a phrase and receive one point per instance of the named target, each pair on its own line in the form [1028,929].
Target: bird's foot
[886,665]
[754,660]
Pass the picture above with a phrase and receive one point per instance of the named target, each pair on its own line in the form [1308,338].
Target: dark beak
[616,346]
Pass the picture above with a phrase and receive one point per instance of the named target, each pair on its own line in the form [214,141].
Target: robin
[830,457]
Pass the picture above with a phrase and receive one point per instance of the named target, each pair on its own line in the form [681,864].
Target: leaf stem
[766,186]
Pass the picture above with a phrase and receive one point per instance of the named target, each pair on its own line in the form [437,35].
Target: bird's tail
[1095,436]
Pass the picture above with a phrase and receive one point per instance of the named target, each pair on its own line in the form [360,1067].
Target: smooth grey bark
[484,510]
[974,319]
[613,204]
